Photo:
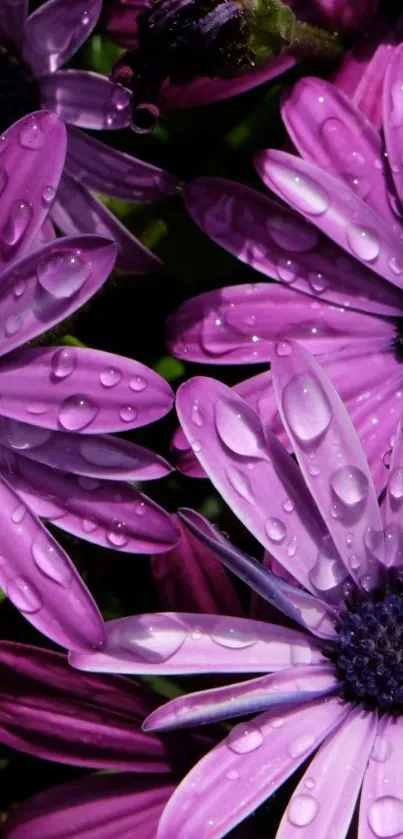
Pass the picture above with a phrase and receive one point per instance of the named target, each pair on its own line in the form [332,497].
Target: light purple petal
[331,459]
[41,581]
[49,285]
[45,235]
[394,500]
[393,117]
[336,210]
[362,71]
[32,158]
[381,810]
[290,687]
[107,170]
[324,800]
[242,461]
[13,16]
[174,643]
[246,768]
[240,325]
[338,138]
[86,99]
[77,211]
[52,36]
[87,390]
[94,807]
[265,235]
[108,513]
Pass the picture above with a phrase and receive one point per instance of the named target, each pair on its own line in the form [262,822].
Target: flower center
[19,90]
[368,653]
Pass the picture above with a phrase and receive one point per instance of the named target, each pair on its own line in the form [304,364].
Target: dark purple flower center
[19,90]
[368,654]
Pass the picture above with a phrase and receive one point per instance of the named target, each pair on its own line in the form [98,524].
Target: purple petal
[248,766]
[394,500]
[324,801]
[32,158]
[113,172]
[41,581]
[45,235]
[242,462]
[85,390]
[110,513]
[338,138]
[189,577]
[13,17]
[52,36]
[120,21]
[86,99]
[184,458]
[393,117]
[331,459]
[241,324]
[77,211]
[174,643]
[336,210]
[49,285]
[381,809]
[94,807]
[290,687]
[348,16]
[281,245]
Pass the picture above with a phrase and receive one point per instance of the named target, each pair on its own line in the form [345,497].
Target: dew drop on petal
[17,224]
[51,563]
[140,509]
[117,536]
[395,484]
[76,412]
[110,377]
[306,407]
[350,485]
[18,513]
[24,595]
[48,194]
[244,738]
[152,638]
[128,413]
[275,530]
[233,637]
[302,810]
[37,408]
[196,415]
[287,270]
[12,325]
[363,242]
[385,816]
[240,484]
[317,281]
[19,289]
[382,749]
[238,428]
[302,190]
[138,383]
[288,505]
[62,275]
[63,362]
[31,134]
[283,348]
[88,525]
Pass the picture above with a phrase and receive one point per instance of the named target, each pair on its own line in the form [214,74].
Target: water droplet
[51,561]
[233,637]
[86,18]
[140,509]
[117,535]
[317,281]
[395,484]
[301,745]
[62,275]
[306,407]
[238,427]
[17,224]
[138,383]
[328,571]
[196,415]
[152,638]
[76,412]
[244,738]
[110,377]
[232,775]
[120,97]
[292,546]
[310,783]
[12,325]
[88,525]
[313,470]
[395,265]
[24,595]
[277,722]
[128,413]
[64,362]
[287,270]
[275,530]
[21,435]
[31,135]
[363,242]
[382,749]
[19,288]
[292,235]
[282,348]
[18,513]
[196,446]
[240,484]
[302,810]
[48,194]
[302,190]
[385,816]
[89,484]
[288,505]
[350,485]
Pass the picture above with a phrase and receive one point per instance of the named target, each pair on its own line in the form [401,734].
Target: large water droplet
[89,525]
[64,362]
[48,194]
[117,535]
[240,484]
[110,377]
[328,571]
[244,738]
[395,484]
[302,190]
[24,595]
[18,513]
[239,428]
[196,415]
[12,325]
[128,413]
[19,288]
[51,562]
[306,407]
[292,235]
[385,816]
[302,810]
[76,412]
[382,749]
[17,224]
[317,281]
[363,242]
[31,134]
[350,485]
[21,435]
[287,270]
[234,637]
[138,383]
[149,637]
[62,275]
[275,530]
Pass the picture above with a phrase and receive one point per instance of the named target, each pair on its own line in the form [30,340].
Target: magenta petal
[293,686]
[86,99]
[184,458]
[52,36]
[105,169]
[381,797]
[41,581]
[77,211]
[45,235]
[81,390]
[393,117]
[331,459]
[94,807]
[47,286]
[324,800]
[32,158]
[280,244]
[174,643]
[338,138]
[336,210]
[362,71]
[394,500]
[246,768]
[13,18]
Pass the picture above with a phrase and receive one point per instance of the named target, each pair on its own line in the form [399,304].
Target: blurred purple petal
[52,36]
[45,235]
[380,810]
[119,18]
[394,500]
[393,116]
[13,16]
[86,99]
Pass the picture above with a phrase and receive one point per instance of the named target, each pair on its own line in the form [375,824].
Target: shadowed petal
[46,287]
[86,99]
[87,391]
[281,245]
[393,117]
[45,235]
[105,169]
[331,459]
[77,211]
[248,766]
[13,18]
[324,800]
[290,687]
[362,71]
[32,158]
[168,643]
[336,210]
[381,805]
[394,500]
[52,36]
[41,581]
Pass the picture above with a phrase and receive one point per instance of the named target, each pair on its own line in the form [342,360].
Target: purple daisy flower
[340,261]
[32,52]
[336,686]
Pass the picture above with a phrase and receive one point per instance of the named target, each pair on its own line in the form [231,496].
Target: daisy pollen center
[19,90]
[368,653]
